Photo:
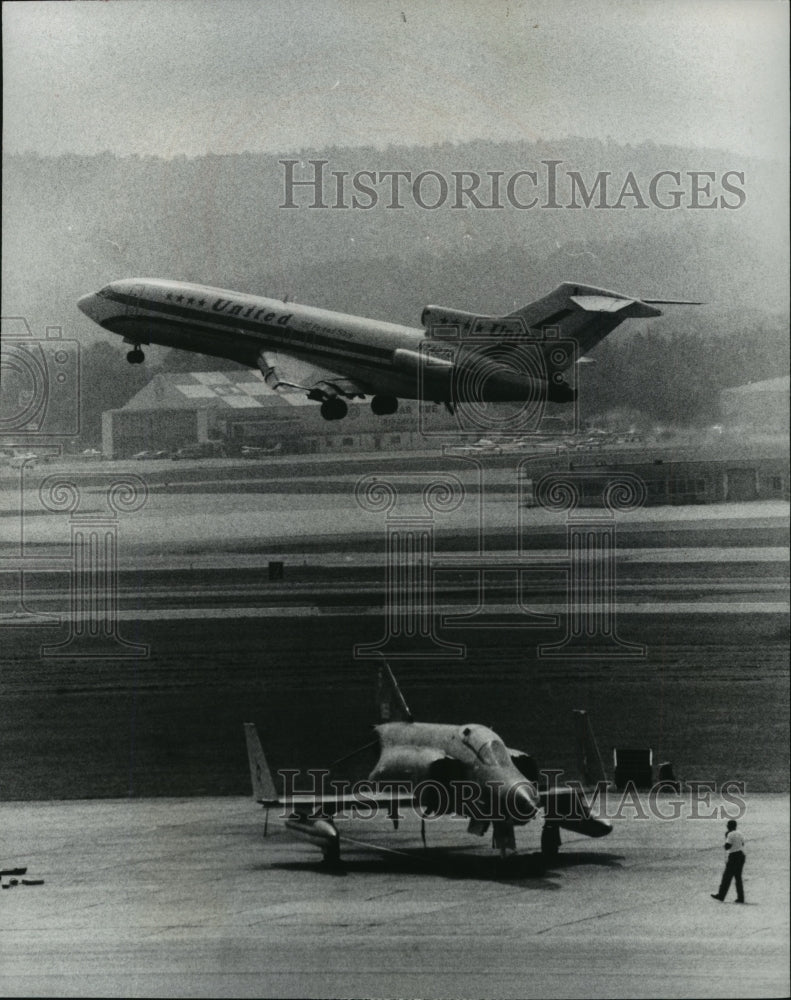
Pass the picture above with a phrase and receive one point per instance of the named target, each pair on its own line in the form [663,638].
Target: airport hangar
[237,408]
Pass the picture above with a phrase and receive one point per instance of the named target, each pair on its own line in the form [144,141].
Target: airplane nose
[87,304]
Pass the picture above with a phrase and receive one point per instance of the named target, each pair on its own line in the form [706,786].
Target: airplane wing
[282,372]
[331,805]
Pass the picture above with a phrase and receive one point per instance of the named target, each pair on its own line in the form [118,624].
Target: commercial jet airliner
[454,357]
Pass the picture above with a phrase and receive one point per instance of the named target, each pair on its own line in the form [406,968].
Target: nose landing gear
[135,356]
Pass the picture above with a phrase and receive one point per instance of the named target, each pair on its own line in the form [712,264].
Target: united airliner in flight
[453,357]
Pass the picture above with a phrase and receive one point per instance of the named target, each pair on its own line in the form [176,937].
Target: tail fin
[589,761]
[580,314]
[261,777]
[392,706]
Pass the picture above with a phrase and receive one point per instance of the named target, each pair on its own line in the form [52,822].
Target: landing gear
[334,408]
[550,840]
[382,405]
[135,356]
[331,854]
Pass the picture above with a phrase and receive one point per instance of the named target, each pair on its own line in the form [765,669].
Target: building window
[348,442]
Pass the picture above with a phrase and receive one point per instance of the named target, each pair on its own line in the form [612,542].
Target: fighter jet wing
[362,800]
[285,372]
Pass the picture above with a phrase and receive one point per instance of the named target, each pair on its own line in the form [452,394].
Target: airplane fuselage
[379,358]
[471,756]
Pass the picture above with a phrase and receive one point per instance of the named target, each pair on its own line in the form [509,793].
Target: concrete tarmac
[175,897]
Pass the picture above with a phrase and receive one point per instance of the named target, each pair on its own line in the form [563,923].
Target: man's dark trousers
[733,870]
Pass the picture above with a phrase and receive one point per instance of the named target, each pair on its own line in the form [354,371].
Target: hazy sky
[189,76]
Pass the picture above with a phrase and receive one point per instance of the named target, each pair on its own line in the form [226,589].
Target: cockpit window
[487,750]
[494,753]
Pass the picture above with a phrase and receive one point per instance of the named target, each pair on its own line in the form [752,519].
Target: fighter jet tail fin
[264,790]
[392,705]
[589,761]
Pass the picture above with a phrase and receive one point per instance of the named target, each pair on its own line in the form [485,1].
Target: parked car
[202,449]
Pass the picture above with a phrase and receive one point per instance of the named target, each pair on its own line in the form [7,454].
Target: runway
[200,633]
[149,893]
[175,897]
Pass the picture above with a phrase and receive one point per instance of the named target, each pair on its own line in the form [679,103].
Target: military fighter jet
[437,769]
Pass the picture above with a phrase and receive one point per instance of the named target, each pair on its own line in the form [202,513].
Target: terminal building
[747,458]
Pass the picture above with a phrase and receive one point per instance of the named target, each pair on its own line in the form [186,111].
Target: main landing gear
[383,405]
[550,840]
[135,356]
[334,408]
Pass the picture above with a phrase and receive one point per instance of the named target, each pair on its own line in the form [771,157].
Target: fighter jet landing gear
[334,408]
[331,855]
[135,356]
[383,405]
[550,840]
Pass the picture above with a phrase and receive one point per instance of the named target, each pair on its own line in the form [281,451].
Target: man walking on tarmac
[734,845]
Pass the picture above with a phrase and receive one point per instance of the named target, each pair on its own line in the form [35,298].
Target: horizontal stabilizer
[600,303]
[672,302]
[567,807]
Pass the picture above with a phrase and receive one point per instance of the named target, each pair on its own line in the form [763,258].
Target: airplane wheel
[550,840]
[334,409]
[135,356]
[331,855]
[382,405]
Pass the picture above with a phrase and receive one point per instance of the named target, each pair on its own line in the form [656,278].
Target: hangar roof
[238,390]
[780,384]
